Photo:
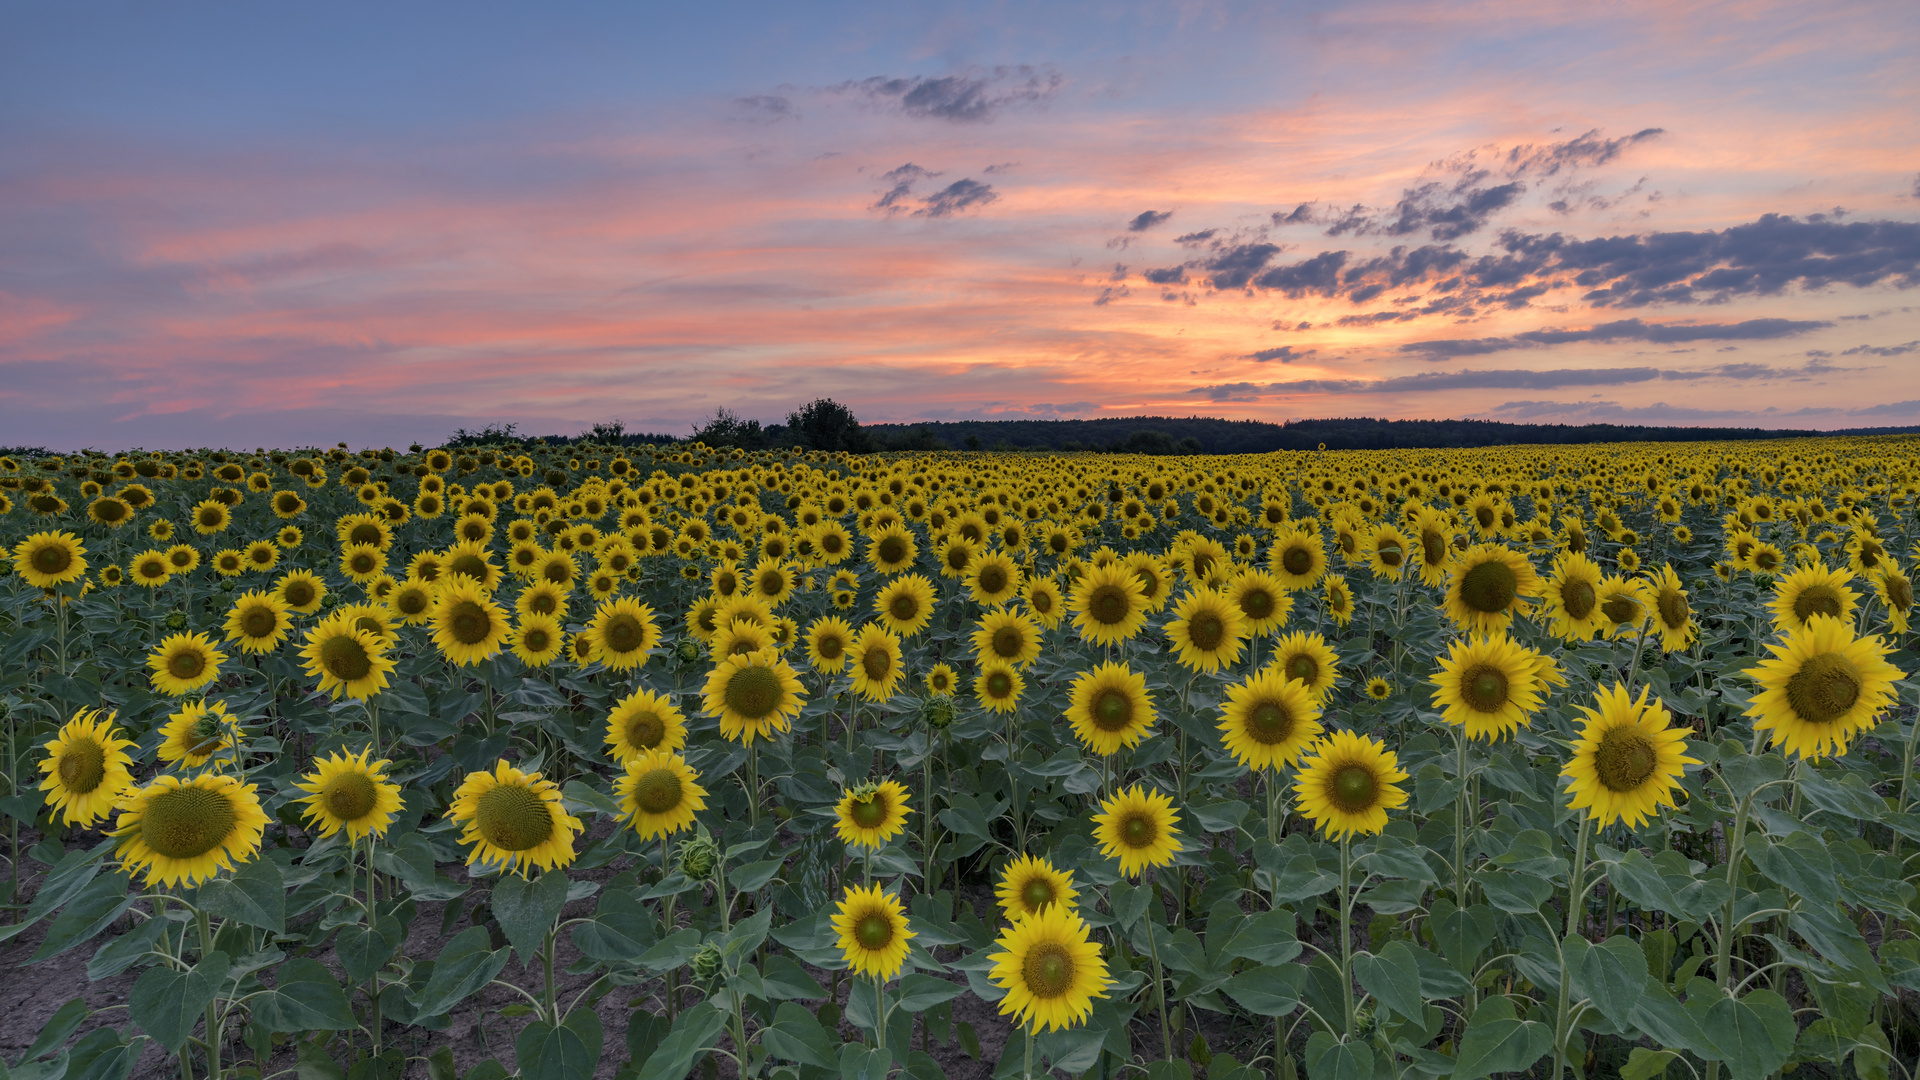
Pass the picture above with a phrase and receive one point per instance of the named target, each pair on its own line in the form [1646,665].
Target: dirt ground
[29,996]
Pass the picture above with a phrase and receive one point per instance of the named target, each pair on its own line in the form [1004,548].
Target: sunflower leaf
[528,909]
[255,894]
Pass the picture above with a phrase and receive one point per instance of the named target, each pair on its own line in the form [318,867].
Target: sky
[275,224]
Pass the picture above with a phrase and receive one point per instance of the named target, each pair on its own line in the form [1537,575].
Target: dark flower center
[351,796]
[1047,970]
[754,692]
[513,817]
[187,821]
[658,791]
[1624,759]
[1824,688]
[1354,788]
[83,766]
[1490,587]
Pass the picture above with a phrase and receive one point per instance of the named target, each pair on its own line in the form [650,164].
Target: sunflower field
[569,761]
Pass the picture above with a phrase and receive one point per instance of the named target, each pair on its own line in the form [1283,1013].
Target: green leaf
[364,950]
[102,1055]
[1645,1064]
[748,934]
[1801,863]
[1129,903]
[254,894]
[566,1052]
[123,952]
[1330,1059]
[167,1003]
[864,1063]
[644,1032]
[1462,935]
[921,992]
[61,1025]
[1393,857]
[91,910]
[1496,1041]
[1393,977]
[1268,991]
[692,1035]
[786,980]
[1755,1033]
[795,1035]
[65,880]
[583,797]
[1613,974]
[754,876]
[306,998]
[1514,893]
[466,963]
[672,952]
[1659,1015]
[1531,852]
[527,909]
[1265,939]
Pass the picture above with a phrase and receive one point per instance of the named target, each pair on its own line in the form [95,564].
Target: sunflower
[229,562]
[873,931]
[1349,784]
[1029,885]
[643,722]
[541,598]
[184,663]
[1010,637]
[772,581]
[753,695]
[1572,598]
[659,793]
[50,559]
[1051,969]
[1263,603]
[369,618]
[468,626]
[183,558]
[161,529]
[362,563]
[872,814]
[623,632]
[1298,559]
[150,568]
[993,578]
[941,681]
[998,686]
[1434,554]
[1137,826]
[1270,720]
[537,640]
[1379,689]
[411,601]
[472,562]
[1822,687]
[1810,591]
[905,604]
[1489,686]
[86,768]
[1386,550]
[875,655]
[210,517]
[1306,657]
[1628,560]
[1339,599]
[347,661]
[1623,605]
[1765,559]
[184,830]
[892,549]
[1110,708]
[1207,630]
[955,554]
[259,622]
[1108,604]
[1156,581]
[109,511]
[514,820]
[1627,760]
[1896,593]
[828,640]
[1487,586]
[1043,598]
[261,556]
[301,591]
[347,791]
[1671,614]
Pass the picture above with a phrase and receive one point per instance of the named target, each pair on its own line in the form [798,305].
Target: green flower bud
[697,857]
[706,963]
[176,620]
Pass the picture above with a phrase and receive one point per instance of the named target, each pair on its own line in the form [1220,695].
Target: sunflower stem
[546,965]
[1028,1070]
[753,781]
[879,1010]
[1159,984]
[1906,777]
[213,1007]
[1633,672]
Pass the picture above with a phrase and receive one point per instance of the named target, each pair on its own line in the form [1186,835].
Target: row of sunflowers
[800,765]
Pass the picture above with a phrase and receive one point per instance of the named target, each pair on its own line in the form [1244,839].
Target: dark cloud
[1318,275]
[1286,354]
[1586,151]
[902,179]
[955,197]
[1883,350]
[1119,272]
[975,97]
[766,108]
[1200,237]
[1618,330]
[1234,267]
[1110,293]
[1512,379]
[1172,275]
[1148,219]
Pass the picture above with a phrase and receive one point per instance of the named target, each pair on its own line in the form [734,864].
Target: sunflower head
[659,794]
[1051,969]
[1110,708]
[1269,721]
[184,663]
[1109,604]
[86,768]
[1347,786]
[182,831]
[514,820]
[1029,885]
[1822,688]
[873,932]
[50,559]
[348,792]
[643,722]
[754,695]
[1138,827]
[871,814]
[1627,760]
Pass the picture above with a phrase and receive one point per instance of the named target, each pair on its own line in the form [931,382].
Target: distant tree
[973,442]
[726,428]
[606,431]
[825,424]
[917,437]
[491,435]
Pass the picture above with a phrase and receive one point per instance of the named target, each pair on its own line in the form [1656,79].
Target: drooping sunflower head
[1488,685]
[184,663]
[1822,688]
[1623,605]
[873,932]
[193,735]
[1896,593]
[1349,783]
[1487,585]
[643,722]
[1108,604]
[1029,885]
[754,695]
[1627,760]
[1269,720]
[350,792]
[659,793]
[1051,969]
[184,830]
[869,815]
[1339,599]
[1672,615]
[1110,708]
[514,820]
[86,768]
[1138,826]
